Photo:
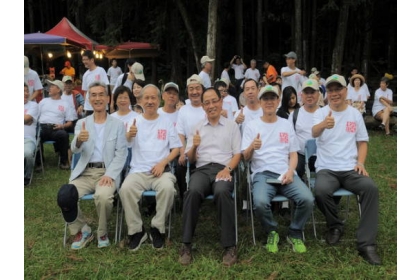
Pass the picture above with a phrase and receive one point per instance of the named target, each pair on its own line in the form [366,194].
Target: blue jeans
[297,191]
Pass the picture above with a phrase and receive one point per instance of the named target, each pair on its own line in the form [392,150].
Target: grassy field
[46,258]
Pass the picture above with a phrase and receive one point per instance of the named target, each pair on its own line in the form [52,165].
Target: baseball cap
[335,78]
[56,83]
[171,85]
[291,55]
[314,70]
[67,199]
[205,59]
[137,70]
[266,89]
[194,79]
[26,67]
[310,83]
[67,78]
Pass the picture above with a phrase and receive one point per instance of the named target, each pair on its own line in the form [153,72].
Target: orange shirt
[68,72]
[271,74]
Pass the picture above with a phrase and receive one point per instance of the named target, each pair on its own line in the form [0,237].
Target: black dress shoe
[370,255]
[333,236]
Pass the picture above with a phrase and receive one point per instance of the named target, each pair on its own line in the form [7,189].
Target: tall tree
[259,30]
[239,32]
[190,31]
[337,53]
[298,30]
[367,44]
[212,32]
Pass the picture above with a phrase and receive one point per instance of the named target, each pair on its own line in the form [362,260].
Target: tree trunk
[337,54]
[259,30]
[313,61]
[298,31]
[30,11]
[188,26]
[212,33]
[367,42]
[174,49]
[239,35]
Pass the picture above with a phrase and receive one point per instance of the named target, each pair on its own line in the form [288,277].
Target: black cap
[67,199]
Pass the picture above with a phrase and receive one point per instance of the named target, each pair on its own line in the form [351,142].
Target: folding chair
[75,158]
[310,150]
[211,197]
[37,150]
[148,193]
[276,198]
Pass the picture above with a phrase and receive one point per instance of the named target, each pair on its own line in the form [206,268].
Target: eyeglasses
[211,102]
[332,90]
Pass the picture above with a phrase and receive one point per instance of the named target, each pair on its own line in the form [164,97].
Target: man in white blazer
[100,141]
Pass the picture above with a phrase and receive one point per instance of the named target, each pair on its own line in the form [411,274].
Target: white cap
[194,79]
[57,83]
[26,67]
[266,89]
[171,85]
[137,70]
[67,78]
[205,59]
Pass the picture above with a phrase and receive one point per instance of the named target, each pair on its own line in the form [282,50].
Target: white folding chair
[310,150]
[211,197]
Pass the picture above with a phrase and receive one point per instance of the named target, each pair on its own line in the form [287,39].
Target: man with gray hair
[252,72]
[206,66]
[154,144]
[99,141]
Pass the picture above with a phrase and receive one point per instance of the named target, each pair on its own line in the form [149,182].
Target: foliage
[45,257]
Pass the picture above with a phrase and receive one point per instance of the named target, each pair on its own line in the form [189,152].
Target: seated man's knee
[223,189]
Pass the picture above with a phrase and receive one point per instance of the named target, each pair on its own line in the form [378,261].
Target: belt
[96,165]
[47,124]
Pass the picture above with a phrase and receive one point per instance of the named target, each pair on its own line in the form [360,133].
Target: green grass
[46,258]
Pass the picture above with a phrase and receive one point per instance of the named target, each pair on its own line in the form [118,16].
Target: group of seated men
[213,146]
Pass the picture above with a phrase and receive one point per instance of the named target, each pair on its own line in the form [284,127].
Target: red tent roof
[66,29]
[136,46]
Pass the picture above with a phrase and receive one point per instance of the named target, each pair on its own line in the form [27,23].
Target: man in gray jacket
[100,141]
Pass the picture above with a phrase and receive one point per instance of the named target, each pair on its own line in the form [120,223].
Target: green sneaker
[297,244]
[272,240]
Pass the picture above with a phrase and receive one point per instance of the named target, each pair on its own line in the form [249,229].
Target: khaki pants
[131,193]
[104,197]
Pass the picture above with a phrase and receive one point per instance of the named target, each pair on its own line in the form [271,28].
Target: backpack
[295,115]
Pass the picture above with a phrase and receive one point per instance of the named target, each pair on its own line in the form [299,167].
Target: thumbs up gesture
[256,144]
[84,134]
[133,130]
[196,139]
[241,117]
[329,121]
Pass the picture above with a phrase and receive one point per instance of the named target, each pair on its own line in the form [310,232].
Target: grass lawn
[46,258]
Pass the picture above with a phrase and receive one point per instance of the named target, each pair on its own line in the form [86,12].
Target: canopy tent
[66,29]
[133,50]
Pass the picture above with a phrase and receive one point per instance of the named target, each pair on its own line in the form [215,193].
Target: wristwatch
[229,168]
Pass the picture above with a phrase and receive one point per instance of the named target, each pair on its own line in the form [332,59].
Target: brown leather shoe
[230,256]
[185,256]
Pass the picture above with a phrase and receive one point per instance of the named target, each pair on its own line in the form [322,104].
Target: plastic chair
[310,150]
[276,198]
[211,197]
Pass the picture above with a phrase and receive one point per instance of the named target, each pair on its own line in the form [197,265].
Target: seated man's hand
[182,159]
[224,175]
[288,177]
[105,181]
[360,168]
[158,169]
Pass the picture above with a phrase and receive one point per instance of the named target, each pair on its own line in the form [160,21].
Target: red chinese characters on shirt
[161,134]
[61,108]
[97,77]
[351,127]
[284,137]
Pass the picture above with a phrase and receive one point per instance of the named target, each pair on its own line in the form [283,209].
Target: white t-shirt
[377,105]
[97,151]
[225,76]
[228,107]
[303,127]
[278,141]
[239,70]
[337,147]
[98,74]
[113,73]
[188,117]
[361,95]
[126,119]
[31,108]
[206,79]
[128,83]
[33,81]
[292,80]
[173,117]
[252,74]
[249,116]
[54,111]
[69,99]
[229,99]
[152,143]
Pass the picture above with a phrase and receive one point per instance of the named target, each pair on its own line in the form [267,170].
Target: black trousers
[61,138]
[202,183]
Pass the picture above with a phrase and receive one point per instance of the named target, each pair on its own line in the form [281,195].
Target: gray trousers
[328,181]
[87,183]
[202,183]
[131,193]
